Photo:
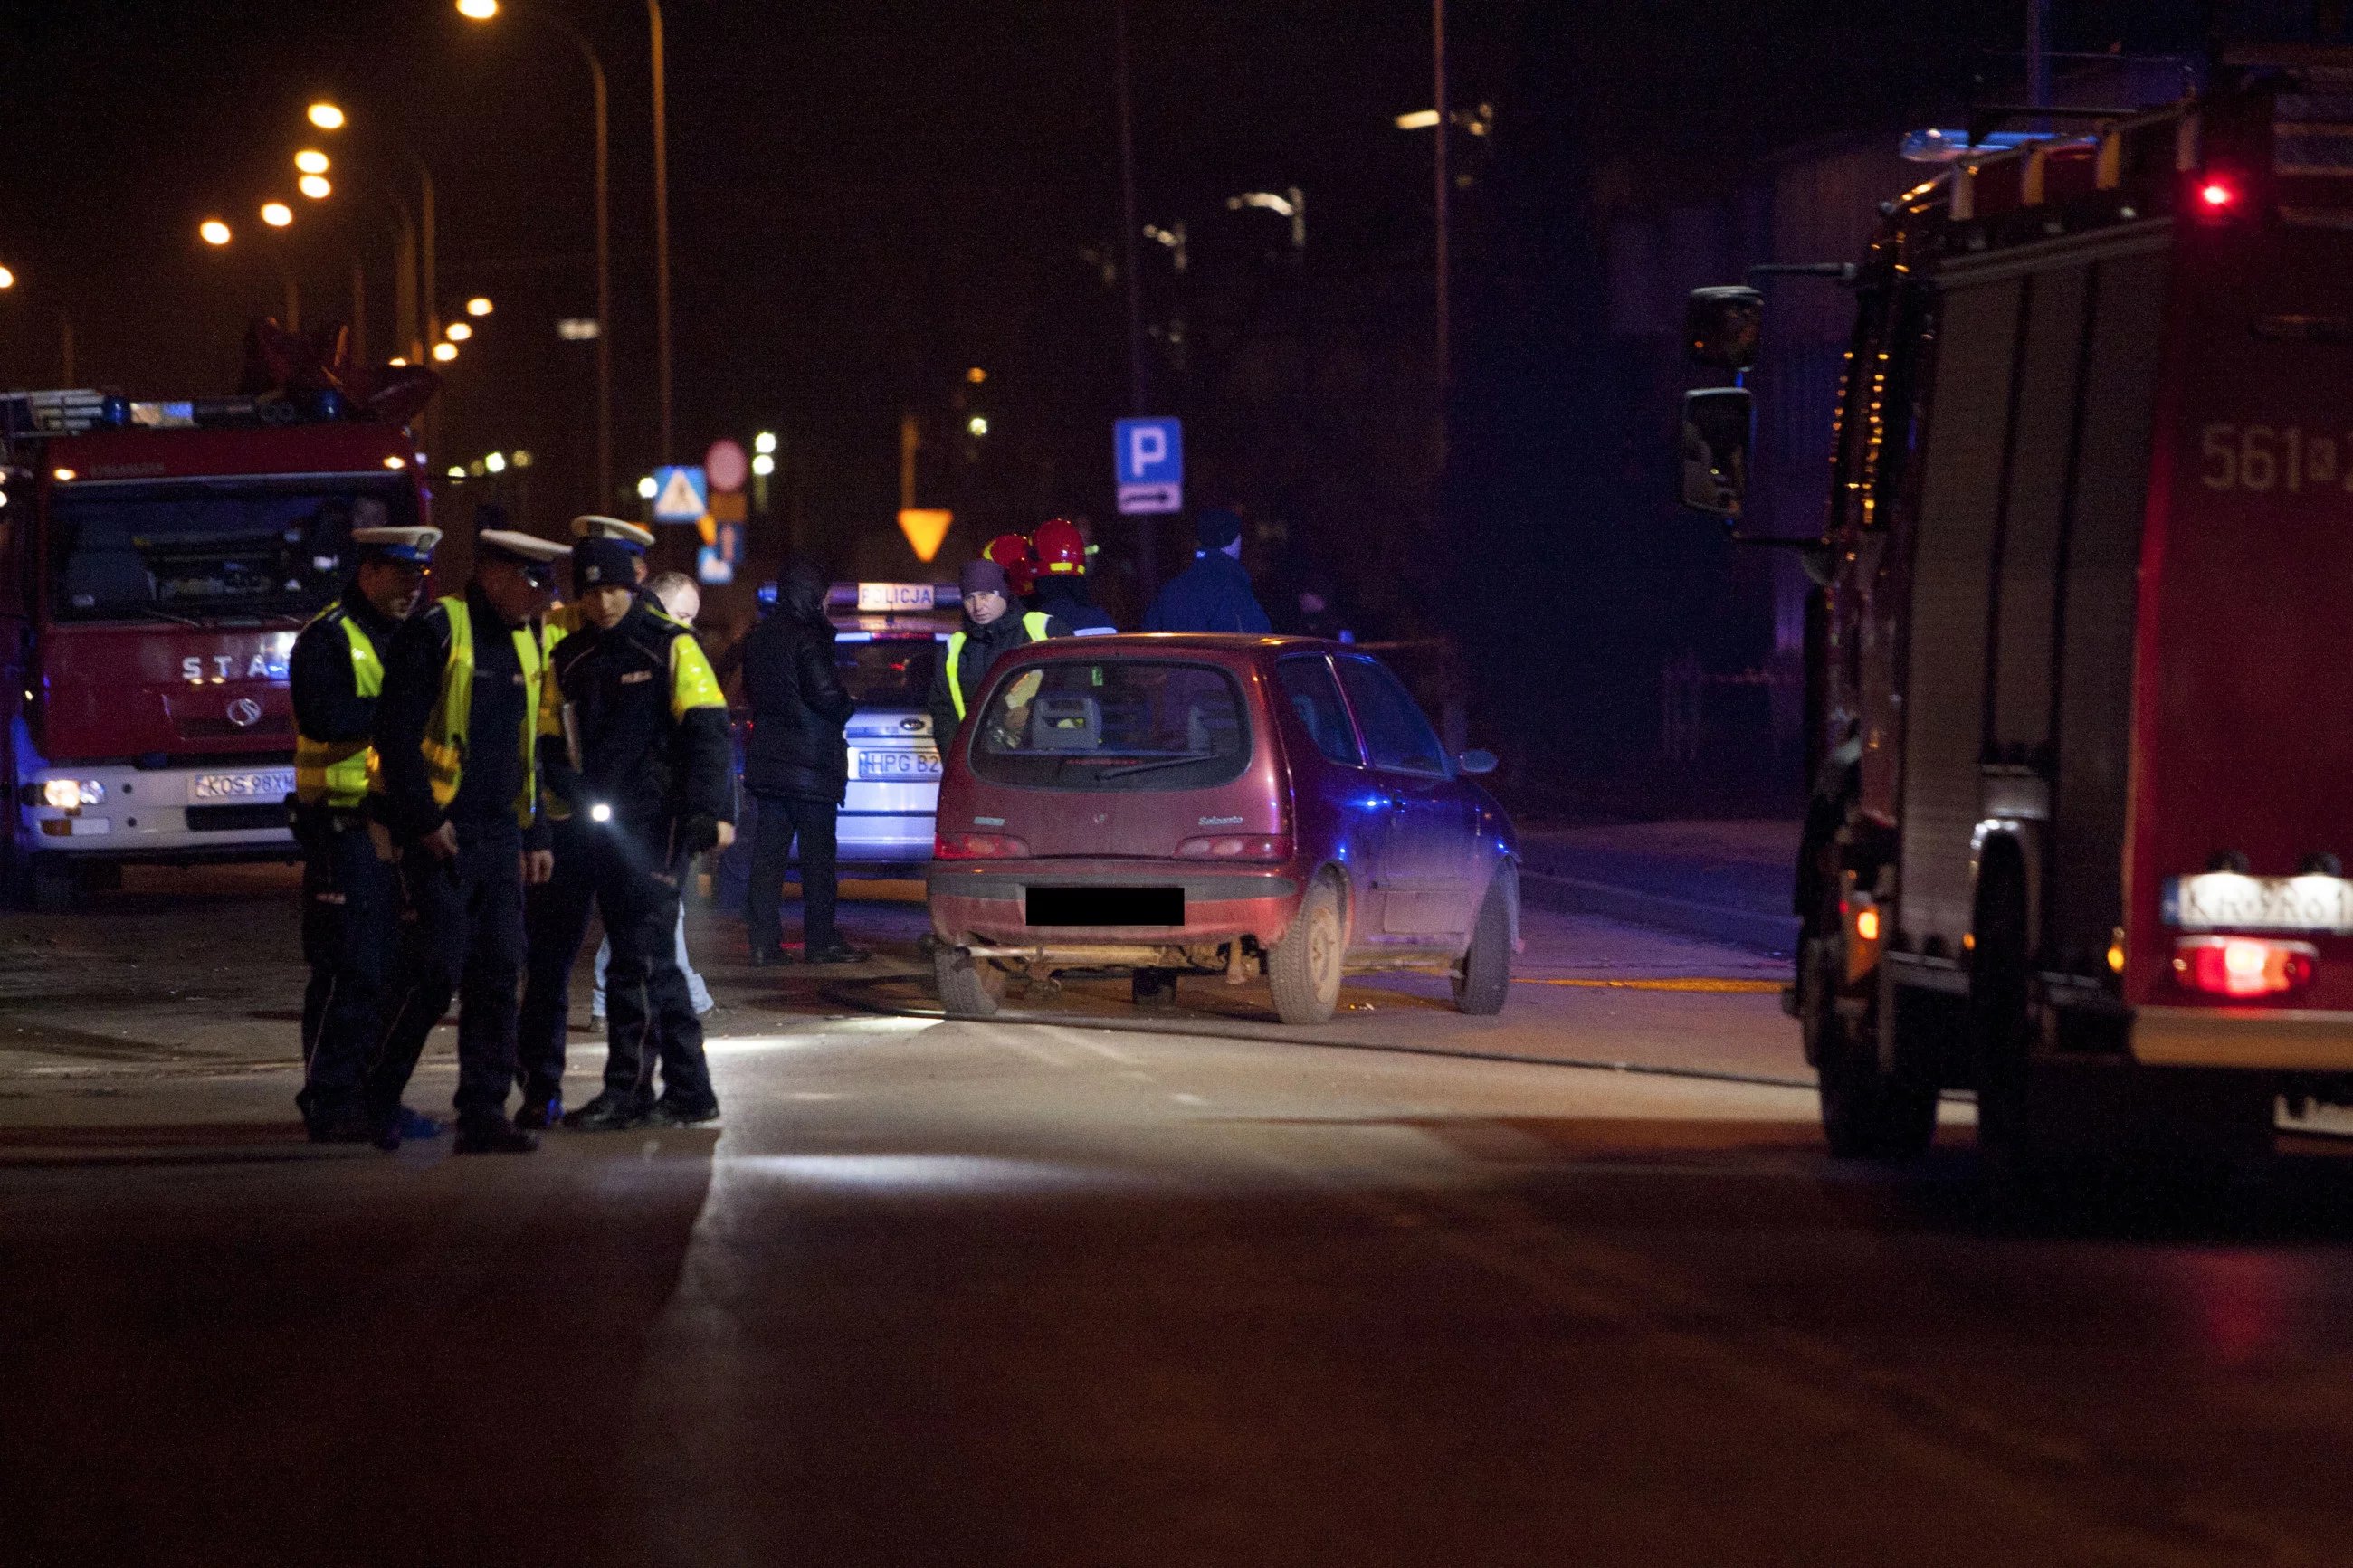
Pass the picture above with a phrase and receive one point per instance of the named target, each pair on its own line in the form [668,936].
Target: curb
[1773,934]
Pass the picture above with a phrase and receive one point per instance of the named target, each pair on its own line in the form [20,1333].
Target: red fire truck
[2079,708]
[156,559]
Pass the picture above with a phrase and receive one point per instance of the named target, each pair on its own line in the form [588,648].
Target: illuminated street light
[458,331]
[496,462]
[1420,119]
[326,117]
[764,442]
[310,161]
[975,375]
[977,425]
[445,353]
[212,231]
[456,473]
[398,361]
[520,459]
[314,187]
[479,306]
[8,278]
[646,488]
[276,215]
[478,10]
[763,464]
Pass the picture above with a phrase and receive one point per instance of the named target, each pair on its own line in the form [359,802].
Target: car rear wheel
[1485,978]
[1304,967]
[969,987]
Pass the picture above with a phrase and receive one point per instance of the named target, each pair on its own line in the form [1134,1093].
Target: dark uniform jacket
[652,728]
[327,703]
[1066,600]
[798,703]
[1213,594]
[493,777]
[984,645]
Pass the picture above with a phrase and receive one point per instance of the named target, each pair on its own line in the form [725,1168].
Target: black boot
[539,1113]
[493,1134]
[608,1113]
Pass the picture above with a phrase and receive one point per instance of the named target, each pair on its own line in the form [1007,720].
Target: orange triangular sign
[924,527]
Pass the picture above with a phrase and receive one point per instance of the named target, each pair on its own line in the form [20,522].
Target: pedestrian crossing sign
[681,494]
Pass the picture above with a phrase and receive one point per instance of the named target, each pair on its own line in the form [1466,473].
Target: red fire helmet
[1012,551]
[1061,548]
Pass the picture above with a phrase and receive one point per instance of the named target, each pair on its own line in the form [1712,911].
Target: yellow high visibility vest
[340,773]
[692,684]
[1033,622]
[445,730]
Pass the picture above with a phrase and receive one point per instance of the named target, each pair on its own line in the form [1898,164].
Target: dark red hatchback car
[1165,803]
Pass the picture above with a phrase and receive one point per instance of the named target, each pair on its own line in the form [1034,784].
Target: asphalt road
[1067,1293]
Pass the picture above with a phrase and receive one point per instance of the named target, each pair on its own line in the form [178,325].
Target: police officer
[641,749]
[1060,554]
[555,912]
[351,897]
[991,628]
[455,732]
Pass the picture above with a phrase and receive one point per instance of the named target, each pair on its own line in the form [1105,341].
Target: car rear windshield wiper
[1123,770]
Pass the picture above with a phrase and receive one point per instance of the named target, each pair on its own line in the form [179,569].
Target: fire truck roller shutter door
[1944,713]
[2083,849]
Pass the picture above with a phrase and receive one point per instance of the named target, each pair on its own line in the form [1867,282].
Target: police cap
[592,526]
[410,546]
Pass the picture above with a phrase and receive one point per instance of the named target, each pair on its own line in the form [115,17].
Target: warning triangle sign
[679,499]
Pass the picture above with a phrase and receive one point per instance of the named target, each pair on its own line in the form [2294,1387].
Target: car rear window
[886,672]
[1113,724]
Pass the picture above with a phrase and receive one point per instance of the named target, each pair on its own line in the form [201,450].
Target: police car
[888,640]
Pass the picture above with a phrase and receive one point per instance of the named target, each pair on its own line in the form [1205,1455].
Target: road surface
[1067,1293]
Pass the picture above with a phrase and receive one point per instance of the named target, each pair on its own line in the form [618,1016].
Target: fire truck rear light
[978,846]
[2243,966]
[1236,846]
[64,475]
[395,462]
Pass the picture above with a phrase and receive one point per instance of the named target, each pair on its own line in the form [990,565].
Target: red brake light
[978,846]
[2217,195]
[1236,846]
[2242,966]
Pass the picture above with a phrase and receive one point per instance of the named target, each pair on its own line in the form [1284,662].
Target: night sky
[868,199]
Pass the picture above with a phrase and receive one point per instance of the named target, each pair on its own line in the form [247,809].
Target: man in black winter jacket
[797,766]
[637,740]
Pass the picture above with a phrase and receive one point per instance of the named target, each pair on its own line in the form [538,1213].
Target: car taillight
[2243,965]
[978,846]
[1236,846]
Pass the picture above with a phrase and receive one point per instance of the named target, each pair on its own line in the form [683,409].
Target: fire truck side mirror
[1721,327]
[1717,423]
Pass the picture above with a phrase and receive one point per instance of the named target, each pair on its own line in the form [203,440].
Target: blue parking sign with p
[1148,463]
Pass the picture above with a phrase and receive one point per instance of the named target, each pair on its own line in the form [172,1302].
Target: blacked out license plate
[1106,907]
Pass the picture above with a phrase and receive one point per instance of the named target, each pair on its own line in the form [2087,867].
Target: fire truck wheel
[969,987]
[1867,1114]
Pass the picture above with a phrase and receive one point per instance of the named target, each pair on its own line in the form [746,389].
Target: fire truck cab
[157,560]
[2080,662]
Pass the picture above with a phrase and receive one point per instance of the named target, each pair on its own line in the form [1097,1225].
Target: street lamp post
[482,11]
[661,227]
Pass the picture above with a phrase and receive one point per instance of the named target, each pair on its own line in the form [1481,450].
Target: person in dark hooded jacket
[797,766]
[1213,594]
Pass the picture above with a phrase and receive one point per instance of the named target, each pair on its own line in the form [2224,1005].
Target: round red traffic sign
[726,466]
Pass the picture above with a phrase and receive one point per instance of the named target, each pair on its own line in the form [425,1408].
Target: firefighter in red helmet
[1061,555]
[1012,551]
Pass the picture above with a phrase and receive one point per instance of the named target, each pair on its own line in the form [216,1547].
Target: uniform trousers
[649,1016]
[351,921]
[783,818]
[463,938]
[556,922]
